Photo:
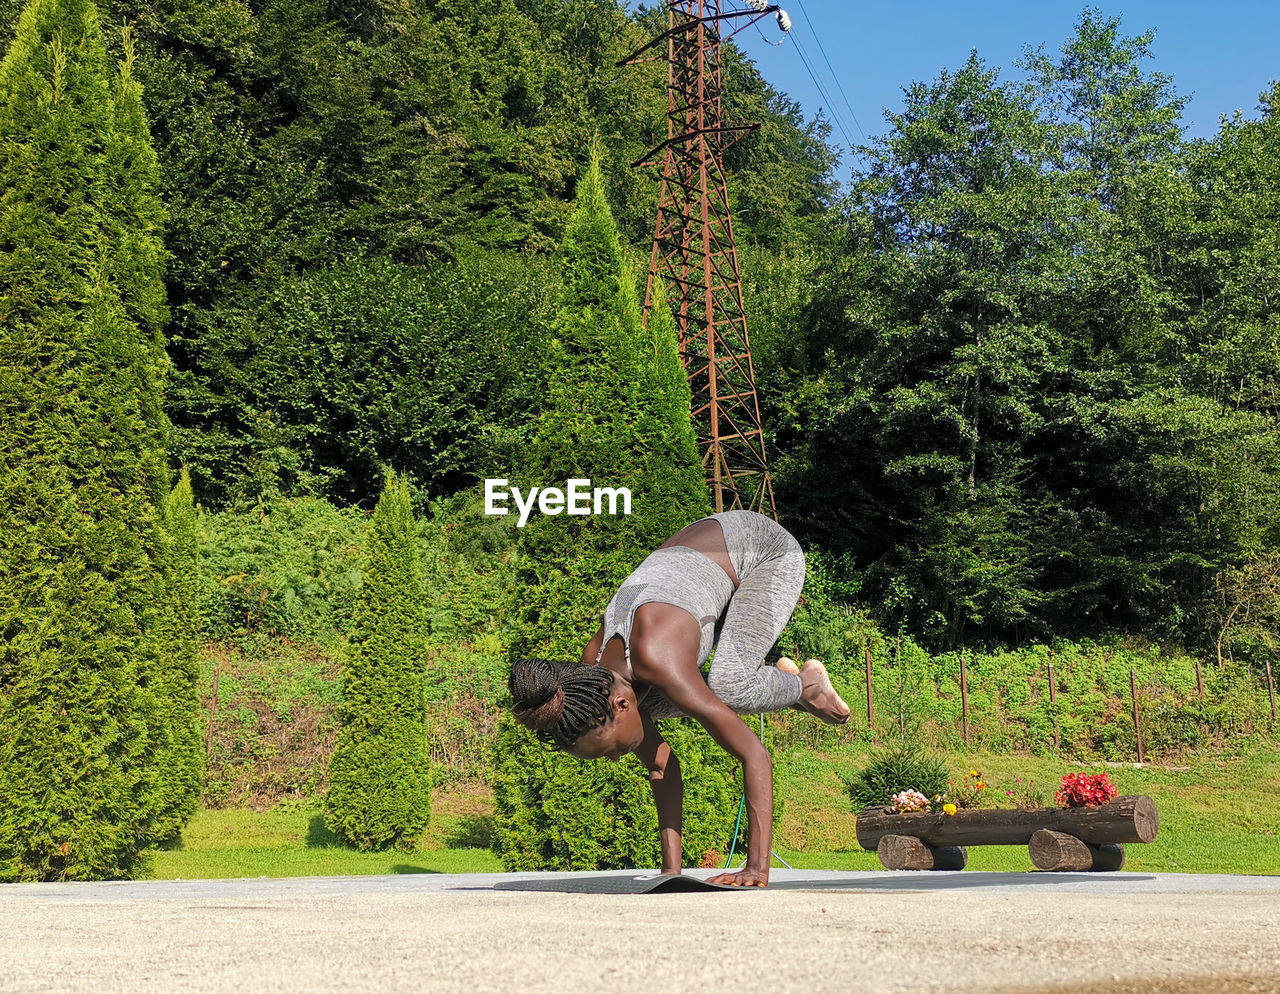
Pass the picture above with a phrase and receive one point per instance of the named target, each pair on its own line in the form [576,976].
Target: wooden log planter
[1086,838]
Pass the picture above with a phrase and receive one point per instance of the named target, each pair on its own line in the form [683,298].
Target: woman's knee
[732,686]
[793,559]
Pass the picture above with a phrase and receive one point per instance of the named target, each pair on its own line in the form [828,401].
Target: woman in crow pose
[729,582]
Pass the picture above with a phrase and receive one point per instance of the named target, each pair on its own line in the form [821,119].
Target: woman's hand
[745,877]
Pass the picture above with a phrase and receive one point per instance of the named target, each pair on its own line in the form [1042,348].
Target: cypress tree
[83,609]
[675,487]
[136,216]
[618,415]
[178,766]
[380,776]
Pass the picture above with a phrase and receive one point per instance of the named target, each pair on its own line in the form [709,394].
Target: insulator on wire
[784,22]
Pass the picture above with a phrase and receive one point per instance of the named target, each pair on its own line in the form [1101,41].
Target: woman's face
[615,738]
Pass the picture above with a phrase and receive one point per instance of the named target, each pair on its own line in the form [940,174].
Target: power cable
[836,79]
[835,116]
[831,109]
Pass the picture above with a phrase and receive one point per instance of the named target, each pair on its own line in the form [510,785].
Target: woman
[729,582]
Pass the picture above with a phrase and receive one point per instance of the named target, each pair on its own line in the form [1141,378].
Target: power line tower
[694,252]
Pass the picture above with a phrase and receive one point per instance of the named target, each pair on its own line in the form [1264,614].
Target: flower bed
[1084,836]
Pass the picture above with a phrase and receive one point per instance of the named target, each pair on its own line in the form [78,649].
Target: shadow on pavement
[958,880]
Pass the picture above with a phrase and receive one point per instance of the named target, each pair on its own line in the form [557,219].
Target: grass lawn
[290,840]
[1221,814]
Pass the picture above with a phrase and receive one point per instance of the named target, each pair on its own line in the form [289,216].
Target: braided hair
[560,702]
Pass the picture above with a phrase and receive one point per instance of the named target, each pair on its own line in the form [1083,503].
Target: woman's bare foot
[819,697]
[788,665]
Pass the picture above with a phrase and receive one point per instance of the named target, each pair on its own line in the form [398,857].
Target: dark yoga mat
[617,884]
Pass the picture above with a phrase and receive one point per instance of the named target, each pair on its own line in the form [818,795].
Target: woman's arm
[663,659]
[668,792]
[593,647]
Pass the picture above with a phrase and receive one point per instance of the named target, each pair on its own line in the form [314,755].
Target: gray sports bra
[675,575]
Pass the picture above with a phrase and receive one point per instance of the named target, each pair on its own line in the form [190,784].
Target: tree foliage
[95,666]
[617,415]
[379,774]
[296,139]
[179,764]
[1021,383]
[372,364]
[1012,382]
[614,415]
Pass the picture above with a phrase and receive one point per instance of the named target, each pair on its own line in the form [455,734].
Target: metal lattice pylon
[694,254]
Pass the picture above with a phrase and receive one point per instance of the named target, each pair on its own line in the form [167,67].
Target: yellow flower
[949,809]
[981,785]
[973,773]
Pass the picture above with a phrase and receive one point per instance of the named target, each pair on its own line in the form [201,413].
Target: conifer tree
[675,484]
[136,215]
[380,775]
[134,260]
[618,415]
[83,608]
[178,765]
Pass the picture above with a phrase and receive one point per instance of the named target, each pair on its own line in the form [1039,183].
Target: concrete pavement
[881,932]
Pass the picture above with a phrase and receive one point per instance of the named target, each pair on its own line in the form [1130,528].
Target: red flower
[1080,790]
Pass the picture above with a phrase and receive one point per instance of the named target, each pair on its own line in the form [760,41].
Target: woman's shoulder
[657,705]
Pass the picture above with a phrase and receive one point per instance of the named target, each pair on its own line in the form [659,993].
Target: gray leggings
[741,624]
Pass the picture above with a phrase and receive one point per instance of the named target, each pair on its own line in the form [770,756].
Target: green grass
[1221,815]
[290,840]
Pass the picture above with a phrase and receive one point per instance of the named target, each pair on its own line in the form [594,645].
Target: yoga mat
[617,884]
[827,880]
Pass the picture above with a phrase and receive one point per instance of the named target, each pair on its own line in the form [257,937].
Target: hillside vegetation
[1019,372]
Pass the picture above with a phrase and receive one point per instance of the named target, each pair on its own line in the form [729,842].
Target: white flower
[909,800]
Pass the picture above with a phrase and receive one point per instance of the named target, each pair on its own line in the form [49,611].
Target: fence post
[1133,689]
[1053,704]
[1271,689]
[964,700]
[902,687]
[1199,679]
[871,720]
[213,705]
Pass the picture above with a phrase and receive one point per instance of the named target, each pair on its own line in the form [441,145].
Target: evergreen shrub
[90,652]
[617,413]
[380,774]
[554,812]
[180,760]
[893,770]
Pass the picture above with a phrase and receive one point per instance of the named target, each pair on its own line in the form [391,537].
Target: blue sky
[1222,53]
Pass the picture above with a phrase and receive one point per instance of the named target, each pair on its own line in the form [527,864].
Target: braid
[560,702]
